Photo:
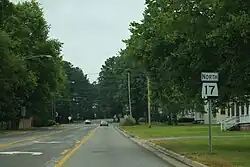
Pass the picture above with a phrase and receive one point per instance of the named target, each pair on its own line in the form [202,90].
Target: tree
[79,96]
[113,82]
[28,81]
[178,40]
[28,78]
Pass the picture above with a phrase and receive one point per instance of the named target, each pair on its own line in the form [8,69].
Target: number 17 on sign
[209,90]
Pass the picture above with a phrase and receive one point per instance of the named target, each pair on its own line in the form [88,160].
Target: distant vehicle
[104,123]
[87,121]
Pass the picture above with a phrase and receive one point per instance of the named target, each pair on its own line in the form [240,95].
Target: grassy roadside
[158,131]
[227,152]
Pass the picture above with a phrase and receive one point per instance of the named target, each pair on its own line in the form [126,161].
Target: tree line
[33,73]
[173,43]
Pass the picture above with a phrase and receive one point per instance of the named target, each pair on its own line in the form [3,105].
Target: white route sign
[210,76]
[209,90]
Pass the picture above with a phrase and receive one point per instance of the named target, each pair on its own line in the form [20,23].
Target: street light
[37,56]
[29,58]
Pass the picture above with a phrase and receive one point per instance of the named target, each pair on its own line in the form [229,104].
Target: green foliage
[113,85]
[51,123]
[27,77]
[128,121]
[78,97]
[177,40]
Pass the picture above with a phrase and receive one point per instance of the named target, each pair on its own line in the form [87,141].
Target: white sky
[91,30]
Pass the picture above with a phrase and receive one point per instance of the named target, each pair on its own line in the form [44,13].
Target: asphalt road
[108,148]
[74,145]
[23,135]
[42,148]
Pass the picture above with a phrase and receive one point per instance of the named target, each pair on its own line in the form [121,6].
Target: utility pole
[149,102]
[52,107]
[54,111]
[129,95]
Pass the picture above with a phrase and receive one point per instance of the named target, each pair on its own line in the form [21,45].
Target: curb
[176,156]
[167,155]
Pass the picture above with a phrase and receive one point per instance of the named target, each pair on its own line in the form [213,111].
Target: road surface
[75,145]
[108,148]
[42,148]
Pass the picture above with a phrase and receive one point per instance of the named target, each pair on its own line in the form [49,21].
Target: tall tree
[178,40]
[79,96]
[30,79]
[113,82]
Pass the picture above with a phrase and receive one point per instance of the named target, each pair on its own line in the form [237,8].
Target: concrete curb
[167,155]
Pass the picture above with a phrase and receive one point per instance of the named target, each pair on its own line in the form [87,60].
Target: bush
[43,123]
[51,122]
[128,121]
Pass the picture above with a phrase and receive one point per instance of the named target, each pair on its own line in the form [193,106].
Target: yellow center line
[65,151]
[77,146]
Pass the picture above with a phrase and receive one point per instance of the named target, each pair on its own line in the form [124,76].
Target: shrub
[51,122]
[128,121]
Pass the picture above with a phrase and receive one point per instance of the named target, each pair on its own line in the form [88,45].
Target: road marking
[20,152]
[65,151]
[69,136]
[67,156]
[51,162]
[49,142]
[2,146]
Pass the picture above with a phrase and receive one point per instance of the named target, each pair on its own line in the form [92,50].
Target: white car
[104,123]
[87,121]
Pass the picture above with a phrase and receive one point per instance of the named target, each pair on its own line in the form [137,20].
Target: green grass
[227,152]
[176,131]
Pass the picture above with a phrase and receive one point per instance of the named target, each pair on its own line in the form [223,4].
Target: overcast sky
[91,30]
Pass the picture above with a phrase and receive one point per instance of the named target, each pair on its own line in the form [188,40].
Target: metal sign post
[210,125]
[209,89]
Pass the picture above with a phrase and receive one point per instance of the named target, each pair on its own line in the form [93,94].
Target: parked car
[87,121]
[104,123]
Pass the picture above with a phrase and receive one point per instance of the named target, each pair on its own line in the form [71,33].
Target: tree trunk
[170,118]
[175,119]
